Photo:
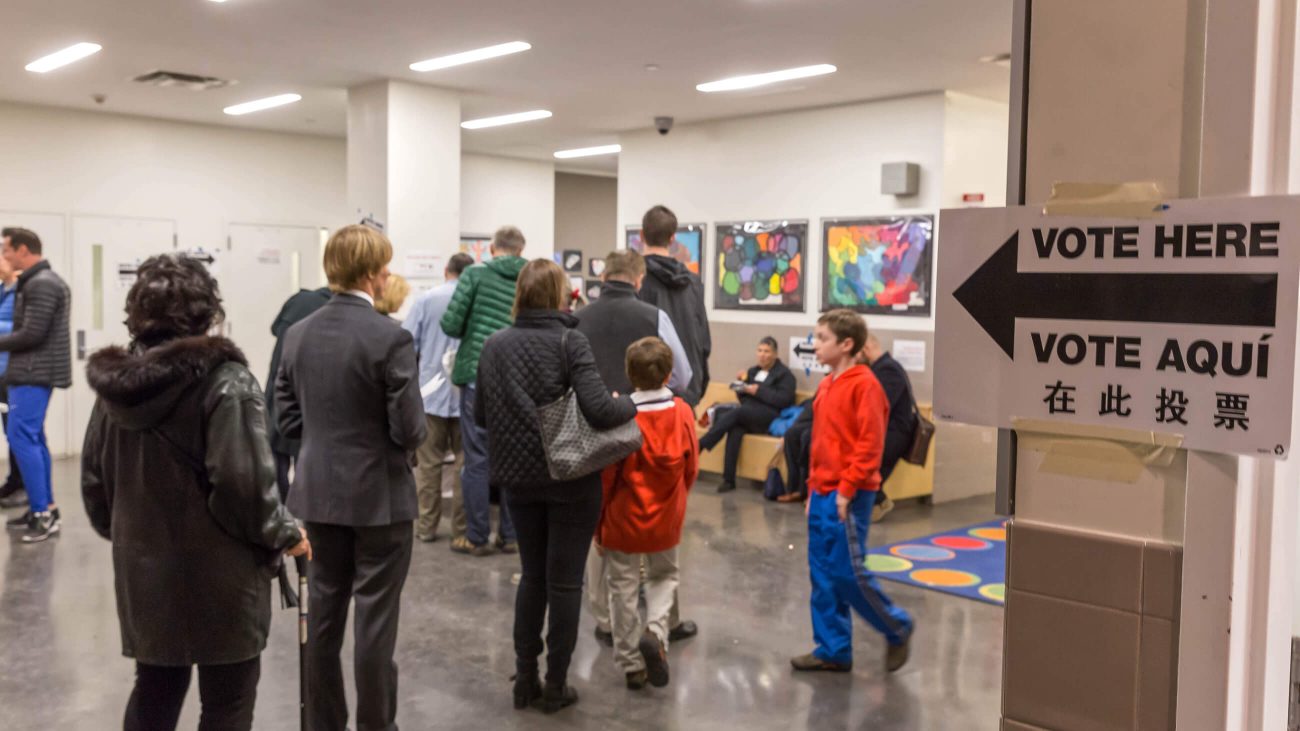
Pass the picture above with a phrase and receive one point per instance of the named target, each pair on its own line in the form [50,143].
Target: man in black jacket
[763,391]
[673,288]
[40,361]
[902,415]
[348,388]
[296,308]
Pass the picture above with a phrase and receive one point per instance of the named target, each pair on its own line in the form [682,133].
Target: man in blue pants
[40,360]
[849,417]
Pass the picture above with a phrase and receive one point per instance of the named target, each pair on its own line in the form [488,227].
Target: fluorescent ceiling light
[589,151]
[748,82]
[59,59]
[258,105]
[506,119]
[482,54]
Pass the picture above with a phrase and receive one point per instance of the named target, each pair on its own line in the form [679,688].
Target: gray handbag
[573,447]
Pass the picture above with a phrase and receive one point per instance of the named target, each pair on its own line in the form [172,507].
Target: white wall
[203,177]
[501,191]
[974,150]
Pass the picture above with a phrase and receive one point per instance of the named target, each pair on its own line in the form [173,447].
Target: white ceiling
[587,64]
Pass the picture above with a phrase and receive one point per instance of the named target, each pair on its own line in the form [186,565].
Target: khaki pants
[598,593]
[623,573]
[443,439]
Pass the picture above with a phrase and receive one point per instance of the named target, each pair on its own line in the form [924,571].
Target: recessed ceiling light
[589,151]
[481,54]
[748,82]
[258,105]
[506,119]
[216,1]
[59,59]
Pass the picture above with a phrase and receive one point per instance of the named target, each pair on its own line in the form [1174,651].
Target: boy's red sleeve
[692,445]
[862,466]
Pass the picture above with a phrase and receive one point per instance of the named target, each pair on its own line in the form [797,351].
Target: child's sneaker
[636,680]
[896,655]
[810,663]
[656,659]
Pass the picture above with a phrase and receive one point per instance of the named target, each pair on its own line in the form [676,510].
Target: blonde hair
[353,254]
[395,293]
[542,285]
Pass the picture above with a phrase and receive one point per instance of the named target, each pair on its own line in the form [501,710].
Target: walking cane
[301,563]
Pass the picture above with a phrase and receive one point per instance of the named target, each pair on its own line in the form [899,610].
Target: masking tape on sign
[1097,452]
[1105,200]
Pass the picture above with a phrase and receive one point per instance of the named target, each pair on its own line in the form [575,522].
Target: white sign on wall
[804,358]
[1183,323]
[910,354]
[424,265]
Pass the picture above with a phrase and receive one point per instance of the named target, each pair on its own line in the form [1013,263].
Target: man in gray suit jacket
[348,388]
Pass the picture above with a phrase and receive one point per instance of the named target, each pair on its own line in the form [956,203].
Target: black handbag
[918,453]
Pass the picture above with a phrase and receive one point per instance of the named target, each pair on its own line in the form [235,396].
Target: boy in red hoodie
[848,437]
[643,513]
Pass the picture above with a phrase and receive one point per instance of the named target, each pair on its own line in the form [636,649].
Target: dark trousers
[14,482]
[798,446]
[370,565]
[476,491]
[226,692]
[555,529]
[751,417]
[283,463]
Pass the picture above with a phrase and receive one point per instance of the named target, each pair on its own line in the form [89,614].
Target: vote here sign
[1184,323]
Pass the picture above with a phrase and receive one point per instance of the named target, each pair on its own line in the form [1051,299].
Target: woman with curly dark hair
[177,472]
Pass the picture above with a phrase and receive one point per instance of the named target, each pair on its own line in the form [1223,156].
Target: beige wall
[586,214]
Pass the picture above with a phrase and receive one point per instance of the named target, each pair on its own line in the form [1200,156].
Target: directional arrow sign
[804,349]
[1183,323]
[998,293]
[803,356]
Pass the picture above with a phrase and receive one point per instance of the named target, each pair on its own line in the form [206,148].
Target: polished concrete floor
[744,581]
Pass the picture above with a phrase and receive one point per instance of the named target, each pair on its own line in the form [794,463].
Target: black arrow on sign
[997,293]
[801,350]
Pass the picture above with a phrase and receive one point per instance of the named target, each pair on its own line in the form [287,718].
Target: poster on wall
[761,265]
[571,260]
[477,246]
[594,289]
[687,246]
[878,266]
[596,267]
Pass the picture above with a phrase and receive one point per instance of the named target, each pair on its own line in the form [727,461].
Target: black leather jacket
[189,550]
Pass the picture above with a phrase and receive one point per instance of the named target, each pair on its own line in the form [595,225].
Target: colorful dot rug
[969,562]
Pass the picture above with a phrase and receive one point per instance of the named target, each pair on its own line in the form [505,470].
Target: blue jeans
[476,492]
[841,584]
[26,434]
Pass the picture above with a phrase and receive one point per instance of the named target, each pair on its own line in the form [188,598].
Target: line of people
[188,463]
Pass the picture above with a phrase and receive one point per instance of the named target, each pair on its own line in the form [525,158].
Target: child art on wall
[687,246]
[571,260]
[761,265]
[478,247]
[878,265]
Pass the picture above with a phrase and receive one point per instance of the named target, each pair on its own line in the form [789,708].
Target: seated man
[797,445]
[763,391]
[902,415]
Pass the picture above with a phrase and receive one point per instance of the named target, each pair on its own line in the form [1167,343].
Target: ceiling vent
[192,82]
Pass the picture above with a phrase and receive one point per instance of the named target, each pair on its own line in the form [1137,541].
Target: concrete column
[404,164]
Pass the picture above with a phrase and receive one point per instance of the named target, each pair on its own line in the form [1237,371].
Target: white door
[261,268]
[53,231]
[105,252]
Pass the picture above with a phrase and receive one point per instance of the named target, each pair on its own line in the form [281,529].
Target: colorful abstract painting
[478,247]
[878,265]
[687,246]
[761,265]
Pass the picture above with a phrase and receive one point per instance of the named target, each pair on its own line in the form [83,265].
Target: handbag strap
[564,357]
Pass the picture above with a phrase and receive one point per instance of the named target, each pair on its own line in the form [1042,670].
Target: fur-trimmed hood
[140,388]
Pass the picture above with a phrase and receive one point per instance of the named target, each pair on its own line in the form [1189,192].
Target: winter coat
[521,370]
[296,308]
[902,415]
[191,557]
[645,494]
[673,288]
[485,296]
[40,349]
[776,392]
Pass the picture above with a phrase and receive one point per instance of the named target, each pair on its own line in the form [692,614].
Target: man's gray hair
[508,239]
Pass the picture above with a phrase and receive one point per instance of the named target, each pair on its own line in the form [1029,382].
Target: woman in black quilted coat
[520,370]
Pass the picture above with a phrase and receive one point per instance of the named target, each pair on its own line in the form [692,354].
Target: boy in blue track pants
[848,437]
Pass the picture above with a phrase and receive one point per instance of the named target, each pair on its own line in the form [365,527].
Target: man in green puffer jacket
[482,305]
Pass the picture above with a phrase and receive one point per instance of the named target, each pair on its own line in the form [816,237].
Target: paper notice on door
[126,274]
[910,354]
[268,256]
[424,265]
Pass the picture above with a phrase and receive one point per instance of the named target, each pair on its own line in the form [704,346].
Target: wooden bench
[760,452]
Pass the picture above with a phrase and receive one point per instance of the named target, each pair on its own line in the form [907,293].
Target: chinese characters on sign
[1171,405]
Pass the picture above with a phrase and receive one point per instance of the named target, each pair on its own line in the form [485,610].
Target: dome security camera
[664,124]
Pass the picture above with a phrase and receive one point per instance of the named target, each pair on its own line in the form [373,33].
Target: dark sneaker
[21,522]
[896,655]
[810,663]
[9,488]
[16,500]
[507,546]
[636,680]
[41,528]
[683,631]
[726,487]
[656,659]
[604,638]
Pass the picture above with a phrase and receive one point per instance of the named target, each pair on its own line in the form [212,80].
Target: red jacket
[850,414]
[645,494]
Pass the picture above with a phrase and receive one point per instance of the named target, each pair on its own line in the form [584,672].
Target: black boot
[528,689]
[557,697]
